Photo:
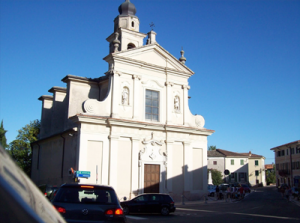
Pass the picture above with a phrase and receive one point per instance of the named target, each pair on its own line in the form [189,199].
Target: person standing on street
[241,190]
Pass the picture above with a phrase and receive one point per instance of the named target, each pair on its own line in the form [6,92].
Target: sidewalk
[210,200]
[213,200]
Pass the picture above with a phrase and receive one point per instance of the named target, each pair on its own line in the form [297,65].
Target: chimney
[250,154]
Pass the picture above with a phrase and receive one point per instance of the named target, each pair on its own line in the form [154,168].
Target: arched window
[132,23]
[130,46]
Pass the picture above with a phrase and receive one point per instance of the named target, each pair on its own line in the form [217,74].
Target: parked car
[246,188]
[47,190]
[211,190]
[21,200]
[149,203]
[88,203]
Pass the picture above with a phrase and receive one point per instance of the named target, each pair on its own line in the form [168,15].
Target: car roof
[154,194]
[94,185]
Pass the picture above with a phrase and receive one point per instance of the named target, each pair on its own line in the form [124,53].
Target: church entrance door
[151,178]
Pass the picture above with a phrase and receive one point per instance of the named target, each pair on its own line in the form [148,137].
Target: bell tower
[126,29]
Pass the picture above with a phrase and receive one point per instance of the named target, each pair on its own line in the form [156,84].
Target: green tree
[212,148]
[2,136]
[271,176]
[20,148]
[216,176]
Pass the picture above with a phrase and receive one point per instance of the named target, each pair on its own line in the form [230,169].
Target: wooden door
[151,178]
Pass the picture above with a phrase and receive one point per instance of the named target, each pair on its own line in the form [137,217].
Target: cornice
[57,89]
[138,124]
[45,97]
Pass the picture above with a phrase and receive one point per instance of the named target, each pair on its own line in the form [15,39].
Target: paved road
[263,205]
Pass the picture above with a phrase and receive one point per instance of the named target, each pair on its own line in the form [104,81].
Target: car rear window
[92,195]
[168,199]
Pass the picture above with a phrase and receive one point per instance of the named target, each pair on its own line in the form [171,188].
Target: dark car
[149,203]
[47,190]
[88,203]
[246,188]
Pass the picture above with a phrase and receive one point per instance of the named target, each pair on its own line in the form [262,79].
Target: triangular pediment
[156,55]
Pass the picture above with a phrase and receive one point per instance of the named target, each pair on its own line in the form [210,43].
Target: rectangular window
[256,162]
[152,105]
[215,162]
[282,152]
[287,152]
[278,153]
[232,162]
[242,162]
[256,173]
[232,175]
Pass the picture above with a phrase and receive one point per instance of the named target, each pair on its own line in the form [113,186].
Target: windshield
[86,195]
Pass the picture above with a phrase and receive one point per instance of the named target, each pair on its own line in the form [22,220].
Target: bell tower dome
[127,18]
[126,33]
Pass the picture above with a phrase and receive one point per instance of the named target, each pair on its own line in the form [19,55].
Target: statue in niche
[125,96]
[176,103]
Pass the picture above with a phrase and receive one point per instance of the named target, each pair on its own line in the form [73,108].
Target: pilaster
[113,160]
[169,145]
[136,96]
[134,167]
[185,104]
[186,159]
[169,102]
[116,95]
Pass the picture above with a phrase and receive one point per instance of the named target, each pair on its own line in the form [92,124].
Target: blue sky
[245,55]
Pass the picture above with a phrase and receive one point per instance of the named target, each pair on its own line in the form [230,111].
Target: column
[113,160]
[134,167]
[185,104]
[170,102]
[136,96]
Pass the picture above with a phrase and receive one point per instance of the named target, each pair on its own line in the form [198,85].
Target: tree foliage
[20,148]
[271,176]
[216,176]
[2,136]
[212,148]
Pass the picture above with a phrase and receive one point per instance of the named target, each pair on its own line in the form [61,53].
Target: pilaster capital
[169,141]
[186,143]
[135,139]
[113,137]
[136,77]
[168,83]
[186,86]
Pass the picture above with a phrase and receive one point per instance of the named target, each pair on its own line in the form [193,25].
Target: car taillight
[172,202]
[111,212]
[118,211]
[60,209]
[45,193]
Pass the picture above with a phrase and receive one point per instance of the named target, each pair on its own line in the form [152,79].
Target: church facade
[132,128]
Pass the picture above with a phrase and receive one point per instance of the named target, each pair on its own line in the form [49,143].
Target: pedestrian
[282,191]
[228,192]
[241,190]
[286,193]
[217,192]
